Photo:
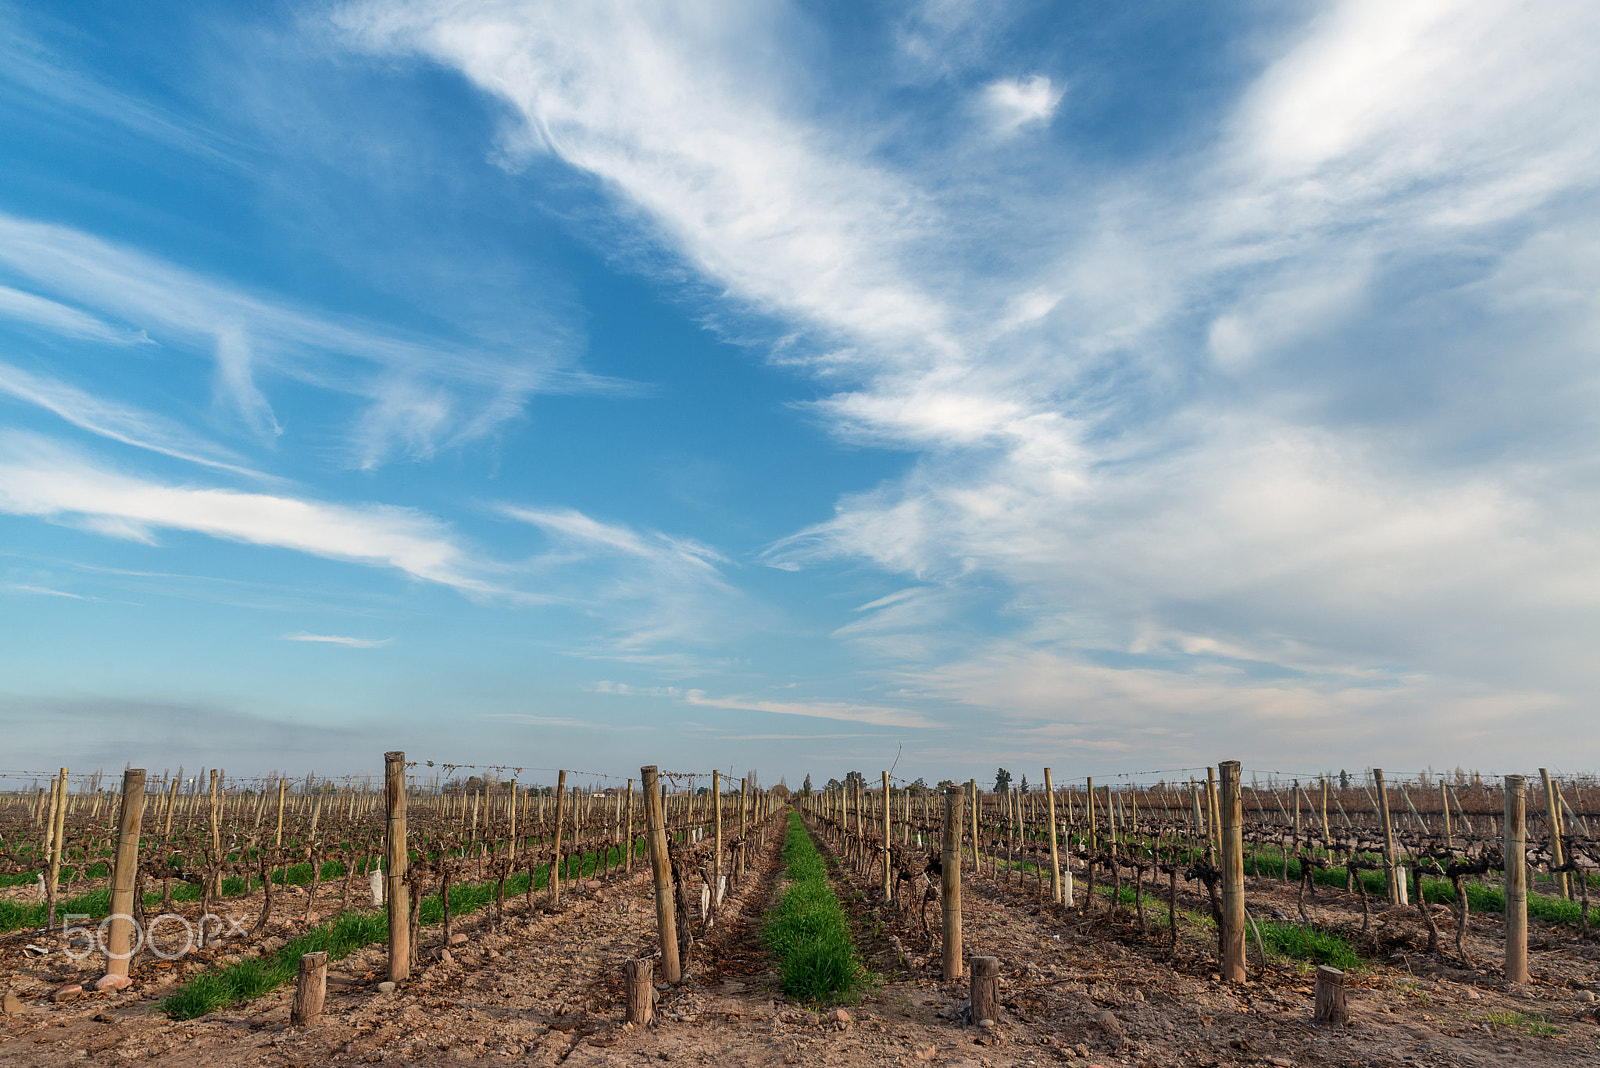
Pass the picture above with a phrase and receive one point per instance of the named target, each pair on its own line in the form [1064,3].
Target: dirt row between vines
[1096,990]
[546,989]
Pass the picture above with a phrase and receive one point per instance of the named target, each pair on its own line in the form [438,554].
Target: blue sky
[800,388]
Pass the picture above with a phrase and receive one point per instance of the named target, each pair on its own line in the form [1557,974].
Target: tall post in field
[888,865]
[1553,818]
[627,864]
[716,866]
[58,828]
[124,875]
[1055,852]
[950,881]
[1232,833]
[277,839]
[744,846]
[1444,806]
[661,867]
[977,841]
[1516,880]
[1088,815]
[172,802]
[555,856]
[398,895]
[1214,822]
[1391,872]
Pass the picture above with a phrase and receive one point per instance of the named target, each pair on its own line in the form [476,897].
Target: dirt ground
[547,989]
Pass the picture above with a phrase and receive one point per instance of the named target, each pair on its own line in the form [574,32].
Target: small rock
[839,1016]
[1281,1062]
[986,1023]
[386,987]
[927,1053]
[1586,995]
[458,940]
[1138,995]
[1471,995]
[1107,1021]
[68,992]
[113,982]
[445,957]
[14,1005]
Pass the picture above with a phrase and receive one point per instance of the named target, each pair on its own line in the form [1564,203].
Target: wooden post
[310,990]
[1553,818]
[1213,820]
[1331,1008]
[1232,834]
[124,876]
[397,894]
[1390,863]
[716,866]
[58,830]
[555,857]
[744,846]
[666,919]
[641,989]
[627,865]
[1444,805]
[277,838]
[950,881]
[977,835]
[172,802]
[888,865]
[1516,880]
[1055,852]
[985,990]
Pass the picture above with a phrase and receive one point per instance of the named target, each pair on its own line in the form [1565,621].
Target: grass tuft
[808,931]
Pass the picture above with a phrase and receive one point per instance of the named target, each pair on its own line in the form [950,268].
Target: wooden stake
[985,989]
[1390,862]
[627,865]
[124,876]
[555,858]
[716,865]
[398,894]
[1553,818]
[59,829]
[310,990]
[661,867]
[1331,1008]
[636,975]
[950,881]
[888,866]
[1232,834]
[1516,880]
[1055,851]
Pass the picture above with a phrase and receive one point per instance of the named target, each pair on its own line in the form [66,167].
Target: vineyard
[435,913]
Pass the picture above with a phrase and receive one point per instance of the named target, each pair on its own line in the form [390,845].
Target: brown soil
[547,989]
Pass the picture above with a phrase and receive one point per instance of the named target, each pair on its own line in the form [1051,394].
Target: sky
[935,387]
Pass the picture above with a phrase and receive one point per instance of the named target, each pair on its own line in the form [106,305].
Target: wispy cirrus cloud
[119,422]
[339,639]
[419,394]
[40,478]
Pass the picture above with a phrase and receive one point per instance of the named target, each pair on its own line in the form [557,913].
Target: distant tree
[1024,786]
[919,787]
[1344,780]
[854,779]
[833,785]
[945,784]
[805,787]
[1002,780]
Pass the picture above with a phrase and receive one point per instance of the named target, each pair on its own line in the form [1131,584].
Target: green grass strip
[808,931]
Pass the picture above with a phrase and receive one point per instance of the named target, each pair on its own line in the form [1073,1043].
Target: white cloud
[651,587]
[419,394]
[848,711]
[119,422]
[1017,102]
[339,639]
[39,478]
[60,319]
